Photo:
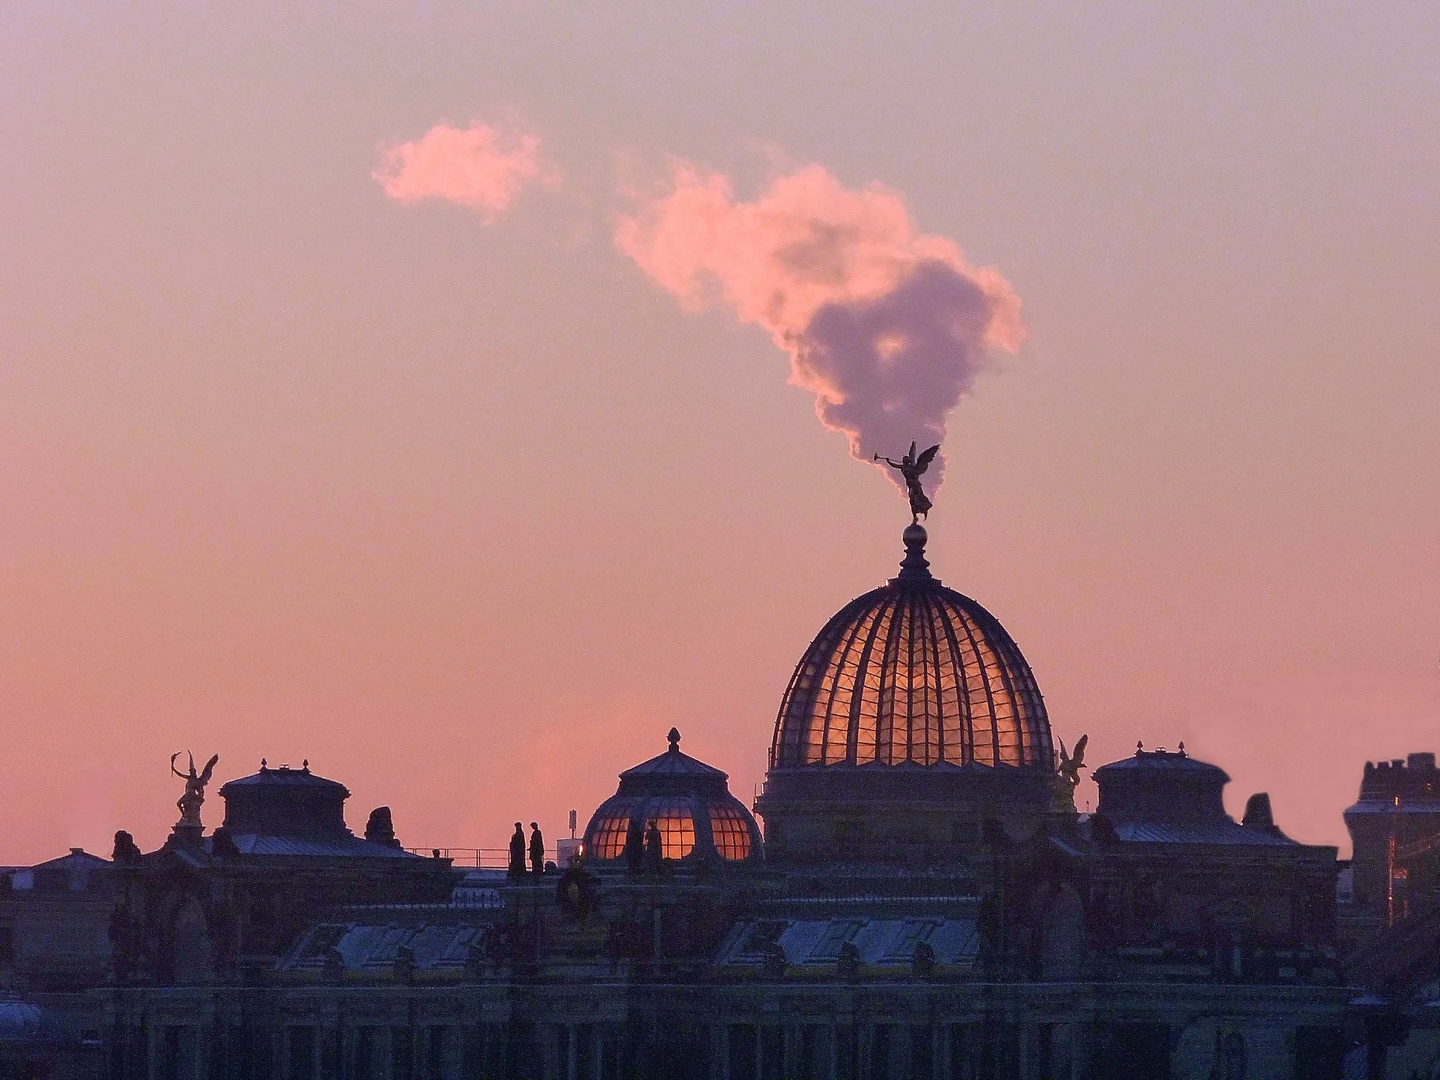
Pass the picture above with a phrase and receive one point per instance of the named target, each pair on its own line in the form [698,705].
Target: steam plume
[886,326]
[480,167]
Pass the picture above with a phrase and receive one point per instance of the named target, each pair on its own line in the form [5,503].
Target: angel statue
[1070,767]
[912,468]
[189,803]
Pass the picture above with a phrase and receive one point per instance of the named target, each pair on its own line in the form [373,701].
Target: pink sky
[887,327]
[468,505]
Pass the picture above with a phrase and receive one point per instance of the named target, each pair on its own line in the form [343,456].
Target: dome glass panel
[912,673]
[730,832]
[677,830]
[697,817]
[609,837]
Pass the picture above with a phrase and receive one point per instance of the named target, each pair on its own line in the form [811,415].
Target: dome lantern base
[909,814]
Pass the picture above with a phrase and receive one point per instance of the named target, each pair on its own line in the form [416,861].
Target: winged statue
[189,803]
[1070,765]
[912,467]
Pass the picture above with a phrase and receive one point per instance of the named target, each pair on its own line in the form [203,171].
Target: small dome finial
[674,738]
[262,764]
[1139,747]
[914,568]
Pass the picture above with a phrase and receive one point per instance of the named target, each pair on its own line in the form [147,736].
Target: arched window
[677,830]
[609,838]
[732,836]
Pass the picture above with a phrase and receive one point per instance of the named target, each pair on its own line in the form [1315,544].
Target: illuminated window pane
[677,830]
[732,837]
[609,838]
[912,675]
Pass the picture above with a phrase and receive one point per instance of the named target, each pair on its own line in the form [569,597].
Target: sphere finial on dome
[914,569]
[674,739]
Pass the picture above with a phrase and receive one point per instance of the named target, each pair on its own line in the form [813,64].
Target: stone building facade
[923,903]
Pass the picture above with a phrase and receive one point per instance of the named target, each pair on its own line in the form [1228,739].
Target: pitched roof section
[340,847]
[673,763]
[285,776]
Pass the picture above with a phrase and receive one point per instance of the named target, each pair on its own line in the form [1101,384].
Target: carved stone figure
[654,847]
[1070,765]
[912,468]
[517,851]
[189,803]
[537,850]
[380,829]
[635,846]
[126,849]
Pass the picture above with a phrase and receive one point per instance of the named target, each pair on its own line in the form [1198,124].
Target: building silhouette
[923,903]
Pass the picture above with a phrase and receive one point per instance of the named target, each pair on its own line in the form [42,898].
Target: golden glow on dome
[696,817]
[730,832]
[677,831]
[912,673]
[609,837]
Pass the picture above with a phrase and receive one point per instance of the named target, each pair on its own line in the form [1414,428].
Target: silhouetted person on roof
[537,850]
[635,846]
[517,851]
[654,847]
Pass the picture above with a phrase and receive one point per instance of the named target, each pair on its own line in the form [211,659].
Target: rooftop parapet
[1411,779]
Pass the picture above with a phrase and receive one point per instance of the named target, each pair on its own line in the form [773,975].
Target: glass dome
[690,804]
[912,673]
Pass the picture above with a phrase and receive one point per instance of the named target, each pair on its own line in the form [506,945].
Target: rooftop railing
[480,858]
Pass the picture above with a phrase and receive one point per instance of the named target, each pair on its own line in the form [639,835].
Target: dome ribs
[963,748]
[998,671]
[1031,728]
[978,690]
[850,669]
[806,684]
[912,673]
[883,730]
[934,698]
[865,708]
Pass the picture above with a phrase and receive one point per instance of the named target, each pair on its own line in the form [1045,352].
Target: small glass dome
[690,804]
